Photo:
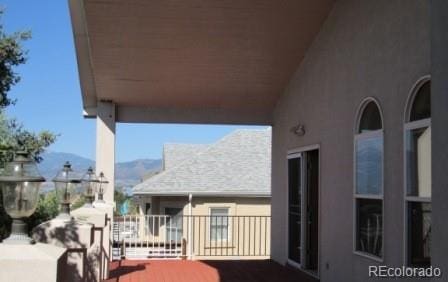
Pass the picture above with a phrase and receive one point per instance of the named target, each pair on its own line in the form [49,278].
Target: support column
[439,123]
[105,162]
[105,145]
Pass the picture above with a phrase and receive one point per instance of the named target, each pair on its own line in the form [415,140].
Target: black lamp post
[67,186]
[20,182]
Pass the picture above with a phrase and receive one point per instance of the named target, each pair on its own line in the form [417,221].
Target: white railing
[150,236]
[198,236]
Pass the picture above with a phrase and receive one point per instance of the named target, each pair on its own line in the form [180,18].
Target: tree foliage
[13,137]
[47,208]
[79,202]
[11,55]
[121,199]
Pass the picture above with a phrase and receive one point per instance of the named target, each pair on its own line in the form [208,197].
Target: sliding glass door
[295,208]
[303,209]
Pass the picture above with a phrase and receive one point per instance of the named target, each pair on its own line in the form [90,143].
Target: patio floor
[204,271]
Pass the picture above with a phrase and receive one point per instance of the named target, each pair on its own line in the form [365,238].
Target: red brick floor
[203,271]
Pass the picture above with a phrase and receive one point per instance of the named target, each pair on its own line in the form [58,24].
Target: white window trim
[408,126]
[356,196]
[229,227]
[416,125]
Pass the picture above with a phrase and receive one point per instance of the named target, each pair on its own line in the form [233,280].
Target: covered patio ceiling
[199,61]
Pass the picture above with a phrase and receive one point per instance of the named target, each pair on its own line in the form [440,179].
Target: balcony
[204,271]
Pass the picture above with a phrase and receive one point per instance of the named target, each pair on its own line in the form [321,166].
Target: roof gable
[238,164]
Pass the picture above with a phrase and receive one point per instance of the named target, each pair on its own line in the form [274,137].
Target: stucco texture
[365,49]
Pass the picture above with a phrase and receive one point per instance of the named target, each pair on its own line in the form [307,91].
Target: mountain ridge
[127,174]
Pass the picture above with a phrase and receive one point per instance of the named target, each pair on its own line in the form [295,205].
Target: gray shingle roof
[238,164]
[175,153]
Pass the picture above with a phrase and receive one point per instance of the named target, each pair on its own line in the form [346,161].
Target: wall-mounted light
[298,130]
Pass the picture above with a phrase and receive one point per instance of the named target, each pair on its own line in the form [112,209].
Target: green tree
[120,199]
[13,137]
[47,208]
[79,202]
[11,55]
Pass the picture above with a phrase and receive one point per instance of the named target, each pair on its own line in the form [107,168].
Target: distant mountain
[133,172]
[53,162]
[127,174]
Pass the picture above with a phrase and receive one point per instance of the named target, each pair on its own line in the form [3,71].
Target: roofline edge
[83,56]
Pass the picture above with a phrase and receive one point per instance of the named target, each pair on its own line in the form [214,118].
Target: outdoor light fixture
[20,182]
[67,186]
[298,130]
[89,184]
[102,185]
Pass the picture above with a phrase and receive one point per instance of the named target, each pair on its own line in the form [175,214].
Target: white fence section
[197,236]
[149,236]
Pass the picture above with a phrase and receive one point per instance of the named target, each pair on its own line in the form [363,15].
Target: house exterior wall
[364,49]
[249,225]
[439,87]
[201,205]
[249,231]
[237,206]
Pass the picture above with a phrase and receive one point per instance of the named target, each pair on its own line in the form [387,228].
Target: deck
[204,271]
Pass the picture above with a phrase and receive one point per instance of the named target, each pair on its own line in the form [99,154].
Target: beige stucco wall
[201,205]
[248,236]
[365,48]
[237,206]
[249,225]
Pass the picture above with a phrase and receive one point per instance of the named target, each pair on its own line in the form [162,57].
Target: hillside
[126,173]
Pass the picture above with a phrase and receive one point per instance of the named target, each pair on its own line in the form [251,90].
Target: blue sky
[49,93]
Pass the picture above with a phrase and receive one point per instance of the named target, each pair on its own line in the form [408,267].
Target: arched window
[369,179]
[421,103]
[418,174]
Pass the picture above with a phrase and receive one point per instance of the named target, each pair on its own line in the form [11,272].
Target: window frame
[167,230]
[300,152]
[356,196]
[409,125]
[228,239]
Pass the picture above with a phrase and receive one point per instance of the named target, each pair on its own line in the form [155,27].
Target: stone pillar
[105,145]
[37,263]
[439,124]
[98,253]
[108,209]
[75,236]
